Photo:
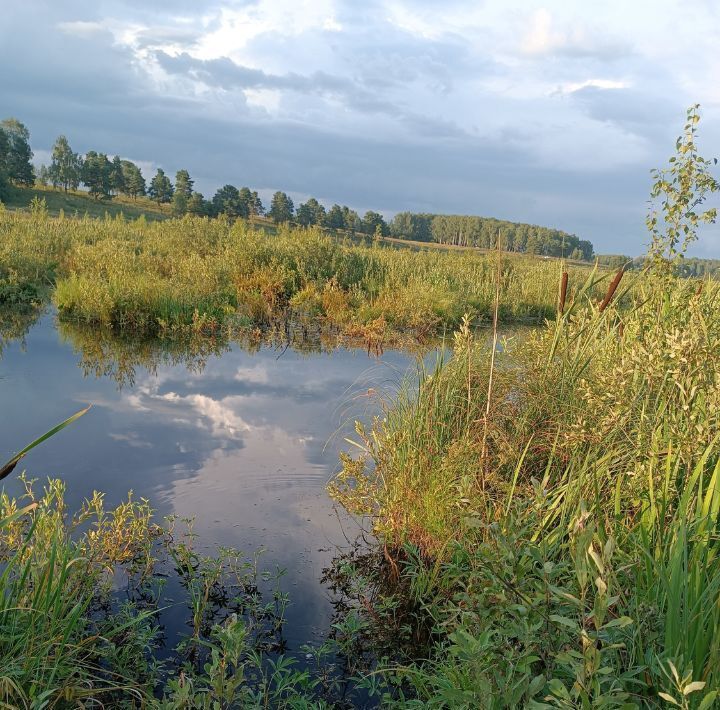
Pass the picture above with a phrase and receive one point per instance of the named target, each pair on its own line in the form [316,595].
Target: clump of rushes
[52,649]
[198,275]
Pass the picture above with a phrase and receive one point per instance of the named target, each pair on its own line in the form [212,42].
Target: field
[79,203]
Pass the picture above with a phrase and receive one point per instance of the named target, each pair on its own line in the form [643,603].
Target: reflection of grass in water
[106,353]
[15,322]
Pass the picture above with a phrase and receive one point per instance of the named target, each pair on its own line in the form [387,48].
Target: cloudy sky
[546,112]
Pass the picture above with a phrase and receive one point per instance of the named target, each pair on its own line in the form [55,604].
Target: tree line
[689,266]
[483,232]
[106,177]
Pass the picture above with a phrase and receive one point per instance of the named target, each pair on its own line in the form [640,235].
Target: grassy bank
[200,274]
[554,510]
[77,203]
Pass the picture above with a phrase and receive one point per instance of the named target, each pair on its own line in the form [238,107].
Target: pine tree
[161,189]
[96,174]
[335,218]
[257,205]
[19,155]
[133,179]
[227,201]
[246,200]
[311,212]
[197,205]
[352,219]
[117,176]
[179,203]
[281,208]
[304,215]
[374,223]
[184,183]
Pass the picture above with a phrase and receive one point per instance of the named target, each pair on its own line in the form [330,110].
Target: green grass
[79,203]
[560,537]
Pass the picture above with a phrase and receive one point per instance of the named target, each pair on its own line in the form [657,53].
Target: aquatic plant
[197,275]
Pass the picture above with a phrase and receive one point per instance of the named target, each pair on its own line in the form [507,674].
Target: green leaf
[536,685]
[708,700]
[570,623]
[10,465]
[558,689]
[620,622]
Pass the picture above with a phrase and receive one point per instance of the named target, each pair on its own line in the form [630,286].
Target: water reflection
[15,322]
[104,353]
[241,436]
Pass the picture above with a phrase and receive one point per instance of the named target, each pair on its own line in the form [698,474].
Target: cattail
[611,290]
[699,289]
[621,329]
[563,292]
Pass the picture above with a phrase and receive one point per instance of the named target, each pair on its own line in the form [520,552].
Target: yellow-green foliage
[192,272]
[56,569]
[622,389]
[562,538]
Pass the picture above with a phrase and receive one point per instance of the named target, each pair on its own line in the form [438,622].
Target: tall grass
[576,558]
[196,273]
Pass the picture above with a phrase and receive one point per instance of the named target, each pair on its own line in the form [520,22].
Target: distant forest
[467,231]
[105,177]
[690,266]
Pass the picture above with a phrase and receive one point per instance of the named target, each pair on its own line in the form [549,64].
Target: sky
[550,113]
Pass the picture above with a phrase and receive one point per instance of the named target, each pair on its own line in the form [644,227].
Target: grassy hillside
[80,203]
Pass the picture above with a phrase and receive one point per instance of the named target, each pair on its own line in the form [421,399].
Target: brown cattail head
[699,289]
[611,290]
[563,292]
[621,329]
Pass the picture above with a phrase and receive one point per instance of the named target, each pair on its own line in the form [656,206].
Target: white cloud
[592,83]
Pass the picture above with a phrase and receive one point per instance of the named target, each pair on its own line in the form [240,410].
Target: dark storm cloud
[226,74]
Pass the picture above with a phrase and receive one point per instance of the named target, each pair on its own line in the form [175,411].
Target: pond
[243,439]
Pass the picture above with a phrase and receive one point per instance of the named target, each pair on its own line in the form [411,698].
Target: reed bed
[199,274]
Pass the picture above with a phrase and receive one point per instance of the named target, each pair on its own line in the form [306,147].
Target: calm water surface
[244,443]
